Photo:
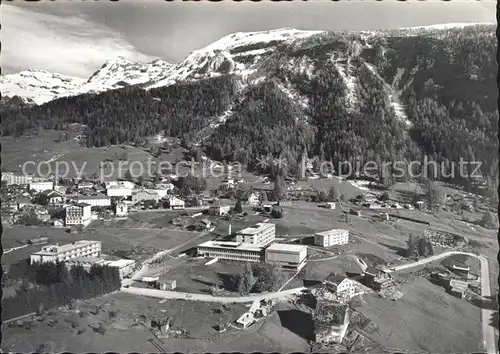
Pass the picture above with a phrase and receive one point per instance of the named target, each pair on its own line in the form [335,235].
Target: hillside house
[340,285]
[145,195]
[458,288]
[253,199]
[121,209]
[219,209]
[378,279]
[176,203]
[51,197]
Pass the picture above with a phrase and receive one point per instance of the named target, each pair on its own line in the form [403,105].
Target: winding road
[163,294]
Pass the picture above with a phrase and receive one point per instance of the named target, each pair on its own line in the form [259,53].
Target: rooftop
[230,245]
[92,197]
[50,192]
[119,263]
[218,204]
[64,248]
[91,260]
[335,278]
[81,205]
[259,227]
[458,285]
[372,270]
[330,232]
[286,247]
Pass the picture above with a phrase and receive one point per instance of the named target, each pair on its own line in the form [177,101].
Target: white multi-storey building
[95,200]
[331,237]
[41,186]
[78,214]
[117,191]
[56,253]
[125,266]
[18,179]
[120,184]
[289,257]
[260,234]
[121,209]
[234,251]
[144,194]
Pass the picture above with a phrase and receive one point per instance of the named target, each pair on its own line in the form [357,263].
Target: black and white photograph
[249,176]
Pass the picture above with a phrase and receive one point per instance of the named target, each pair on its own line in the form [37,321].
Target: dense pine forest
[335,96]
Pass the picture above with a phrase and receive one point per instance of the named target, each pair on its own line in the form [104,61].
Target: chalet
[218,209]
[458,288]
[340,285]
[51,197]
[377,278]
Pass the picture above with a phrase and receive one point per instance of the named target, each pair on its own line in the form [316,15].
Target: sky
[76,38]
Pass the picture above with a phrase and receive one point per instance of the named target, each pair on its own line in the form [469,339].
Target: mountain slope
[379,96]
[39,86]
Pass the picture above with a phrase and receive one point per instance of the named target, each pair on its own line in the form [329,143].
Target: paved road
[489,341]
[162,294]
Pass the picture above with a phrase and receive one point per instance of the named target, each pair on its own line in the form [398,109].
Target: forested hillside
[382,96]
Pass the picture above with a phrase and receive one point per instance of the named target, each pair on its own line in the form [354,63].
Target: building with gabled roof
[340,285]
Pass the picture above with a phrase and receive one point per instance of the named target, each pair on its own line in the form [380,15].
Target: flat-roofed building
[331,237]
[118,191]
[56,253]
[289,257]
[119,184]
[125,266]
[95,200]
[78,214]
[144,194]
[17,179]
[85,185]
[85,262]
[234,251]
[41,186]
[260,234]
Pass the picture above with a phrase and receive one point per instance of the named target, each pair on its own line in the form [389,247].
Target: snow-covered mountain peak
[270,37]
[37,86]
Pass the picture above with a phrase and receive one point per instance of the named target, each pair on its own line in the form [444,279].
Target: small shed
[167,284]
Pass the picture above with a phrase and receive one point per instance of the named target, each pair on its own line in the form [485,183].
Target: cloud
[70,45]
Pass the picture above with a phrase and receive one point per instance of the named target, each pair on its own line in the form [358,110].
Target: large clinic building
[260,235]
[233,251]
[289,257]
[254,244]
[56,253]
